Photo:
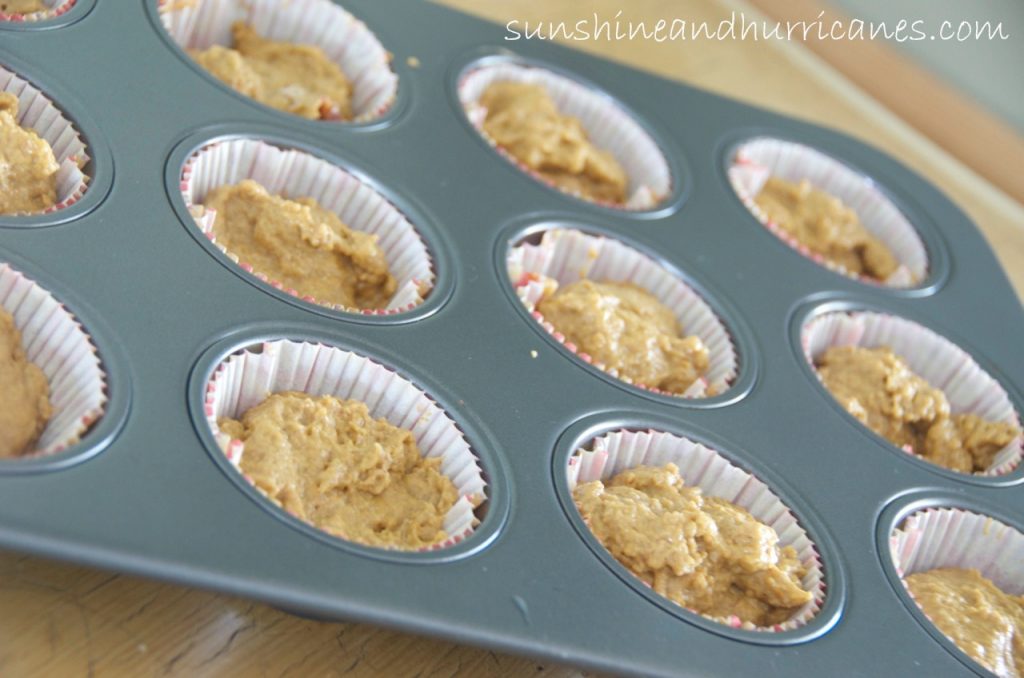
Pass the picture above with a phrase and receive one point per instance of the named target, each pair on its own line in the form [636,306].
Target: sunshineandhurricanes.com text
[739,27]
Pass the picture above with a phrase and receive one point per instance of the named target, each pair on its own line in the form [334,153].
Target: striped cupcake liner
[294,174]
[566,256]
[758,159]
[54,8]
[38,113]
[55,341]
[344,39]
[955,538]
[608,125]
[937,360]
[703,467]
[247,378]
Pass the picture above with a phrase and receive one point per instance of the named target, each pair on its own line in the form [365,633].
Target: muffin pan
[148,490]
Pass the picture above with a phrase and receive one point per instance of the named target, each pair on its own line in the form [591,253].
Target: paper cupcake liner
[757,160]
[246,379]
[949,537]
[607,124]
[54,8]
[569,255]
[703,467]
[939,361]
[38,113]
[55,341]
[344,39]
[296,174]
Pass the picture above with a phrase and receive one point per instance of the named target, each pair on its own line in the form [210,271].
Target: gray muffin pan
[147,491]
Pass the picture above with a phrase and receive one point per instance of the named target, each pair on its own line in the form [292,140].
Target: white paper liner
[54,8]
[55,342]
[934,358]
[569,255]
[758,159]
[37,112]
[949,537]
[344,39]
[956,538]
[703,467]
[246,379]
[295,174]
[608,126]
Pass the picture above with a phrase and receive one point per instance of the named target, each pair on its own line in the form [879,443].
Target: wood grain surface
[978,138]
[63,620]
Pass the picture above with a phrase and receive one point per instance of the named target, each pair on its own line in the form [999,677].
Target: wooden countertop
[58,619]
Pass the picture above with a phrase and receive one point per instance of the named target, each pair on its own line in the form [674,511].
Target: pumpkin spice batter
[703,553]
[523,120]
[301,245]
[28,168]
[24,394]
[627,329]
[982,620]
[826,226]
[878,388]
[294,78]
[330,463]
[22,6]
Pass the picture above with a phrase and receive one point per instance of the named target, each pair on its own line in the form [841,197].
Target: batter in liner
[625,328]
[301,245]
[523,120]
[294,78]
[703,553]
[28,168]
[22,6]
[878,388]
[974,613]
[330,463]
[826,226]
[24,394]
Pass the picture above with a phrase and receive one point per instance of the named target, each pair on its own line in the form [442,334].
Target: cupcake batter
[24,394]
[294,78]
[982,620]
[627,329]
[22,6]
[28,168]
[703,553]
[327,461]
[301,245]
[877,387]
[522,119]
[826,226]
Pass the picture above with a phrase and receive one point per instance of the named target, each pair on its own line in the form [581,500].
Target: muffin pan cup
[947,367]
[568,255]
[246,379]
[55,341]
[608,125]
[918,533]
[37,113]
[754,161]
[294,174]
[53,110]
[699,466]
[161,500]
[346,40]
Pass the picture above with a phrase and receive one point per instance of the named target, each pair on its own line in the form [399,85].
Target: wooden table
[58,619]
